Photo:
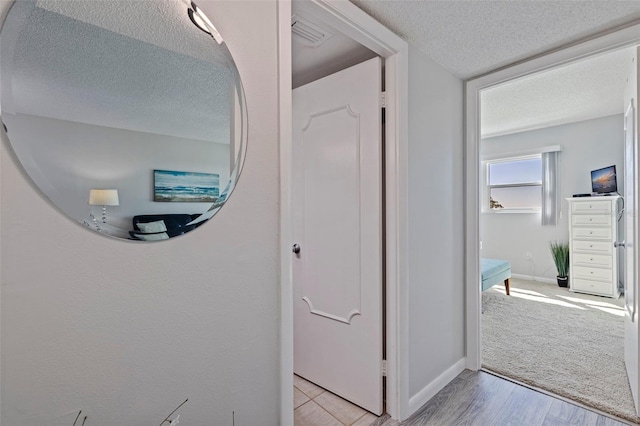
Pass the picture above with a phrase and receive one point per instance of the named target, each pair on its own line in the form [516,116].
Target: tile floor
[314,406]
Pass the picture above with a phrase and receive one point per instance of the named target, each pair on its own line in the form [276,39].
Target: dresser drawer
[589,233]
[592,207]
[598,247]
[591,286]
[590,219]
[591,273]
[585,259]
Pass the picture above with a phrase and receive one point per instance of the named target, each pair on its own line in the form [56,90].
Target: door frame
[354,23]
[618,38]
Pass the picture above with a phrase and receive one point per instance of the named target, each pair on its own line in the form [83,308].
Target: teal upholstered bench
[495,271]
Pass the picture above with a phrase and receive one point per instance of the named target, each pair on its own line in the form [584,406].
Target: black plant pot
[563,281]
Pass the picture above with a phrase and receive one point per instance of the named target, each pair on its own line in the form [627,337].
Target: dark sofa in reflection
[152,227]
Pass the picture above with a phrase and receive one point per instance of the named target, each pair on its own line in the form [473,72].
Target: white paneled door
[337,228]
[630,215]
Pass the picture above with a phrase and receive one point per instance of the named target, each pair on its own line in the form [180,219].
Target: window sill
[516,211]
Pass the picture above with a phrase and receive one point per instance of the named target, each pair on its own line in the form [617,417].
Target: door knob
[296,248]
[618,244]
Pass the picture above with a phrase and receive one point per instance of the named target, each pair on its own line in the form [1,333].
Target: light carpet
[567,343]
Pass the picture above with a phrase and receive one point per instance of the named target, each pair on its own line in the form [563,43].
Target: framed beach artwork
[183,187]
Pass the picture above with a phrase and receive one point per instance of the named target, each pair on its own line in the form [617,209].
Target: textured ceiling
[134,65]
[470,38]
[156,22]
[175,90]
[583,90]
[474,37]
[336,53]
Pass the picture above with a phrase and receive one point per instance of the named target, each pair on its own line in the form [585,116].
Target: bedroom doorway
[527,257]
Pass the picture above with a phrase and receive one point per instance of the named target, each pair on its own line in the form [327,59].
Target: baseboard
[532,278]
[427,392]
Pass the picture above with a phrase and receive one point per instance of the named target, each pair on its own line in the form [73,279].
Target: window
[524,182]
[515,184]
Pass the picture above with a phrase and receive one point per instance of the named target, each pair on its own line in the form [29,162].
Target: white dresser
[593,228]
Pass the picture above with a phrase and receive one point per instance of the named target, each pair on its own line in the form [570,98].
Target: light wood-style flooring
[473,398]
[480,398]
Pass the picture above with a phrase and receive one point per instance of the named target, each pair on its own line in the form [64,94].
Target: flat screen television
[603,181]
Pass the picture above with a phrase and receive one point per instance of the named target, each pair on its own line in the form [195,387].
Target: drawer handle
[591,259]
[590,232]
[591,245]
[590,220]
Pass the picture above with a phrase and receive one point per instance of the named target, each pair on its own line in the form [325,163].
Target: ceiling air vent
[310,34]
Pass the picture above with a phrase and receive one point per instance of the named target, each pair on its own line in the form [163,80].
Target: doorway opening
[338,226]
[393,50]
[505,225]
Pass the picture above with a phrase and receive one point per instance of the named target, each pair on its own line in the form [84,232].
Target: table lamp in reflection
[104,198]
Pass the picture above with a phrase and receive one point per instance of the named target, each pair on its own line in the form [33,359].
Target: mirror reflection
[128,115]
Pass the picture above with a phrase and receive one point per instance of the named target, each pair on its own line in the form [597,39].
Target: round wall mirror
[129,116]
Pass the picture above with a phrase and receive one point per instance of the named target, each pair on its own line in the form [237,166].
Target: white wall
[587,145]
[127,331]
[436,286]
[67,159]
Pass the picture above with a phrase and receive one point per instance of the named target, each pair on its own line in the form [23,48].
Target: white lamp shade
[103,197]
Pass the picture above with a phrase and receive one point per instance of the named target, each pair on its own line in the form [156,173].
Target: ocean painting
[186,186]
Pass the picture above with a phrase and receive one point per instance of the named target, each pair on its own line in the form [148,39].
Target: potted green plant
[560,254]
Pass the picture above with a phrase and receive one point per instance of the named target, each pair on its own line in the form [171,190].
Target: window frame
[488,187]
